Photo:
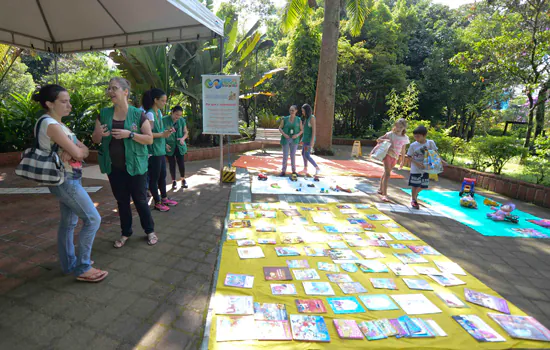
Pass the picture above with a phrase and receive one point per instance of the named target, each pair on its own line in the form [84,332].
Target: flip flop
[385,199]
[152,239]
[119,243]
[98,276]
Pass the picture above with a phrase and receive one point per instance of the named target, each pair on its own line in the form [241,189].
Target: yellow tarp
[457,338]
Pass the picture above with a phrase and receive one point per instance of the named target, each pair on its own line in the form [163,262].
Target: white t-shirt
[416,152]
[150,116]
[397,143]
[45,142]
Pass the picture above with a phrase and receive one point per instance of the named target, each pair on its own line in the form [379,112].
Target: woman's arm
[100,131]
[145,138]
[281,125]
[383,138]
[55,132]
[313,131]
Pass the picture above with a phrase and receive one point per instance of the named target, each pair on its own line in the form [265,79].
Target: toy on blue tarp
[275,185]
[490,203]
[504,213]
[468,202]
[294,177]
[468,187]
[541,222]
[262,177]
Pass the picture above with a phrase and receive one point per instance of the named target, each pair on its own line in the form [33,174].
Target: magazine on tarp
[232,328]
[309,328]
[347,329]
[478,329]
[489,301]
[523,327]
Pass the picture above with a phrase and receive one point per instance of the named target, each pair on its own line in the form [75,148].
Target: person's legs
[154,175]
[65,232]
[180,158]
[172,165]
[119,180]
[162,177]
[293,148]
[306,153]
[305,150]
[285,156]
[137,188]
[389,163]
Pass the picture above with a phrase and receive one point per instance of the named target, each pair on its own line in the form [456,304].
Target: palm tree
[357,11]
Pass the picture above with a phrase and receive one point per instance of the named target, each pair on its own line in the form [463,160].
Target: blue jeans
[306,155]
[75,203]
[289,147]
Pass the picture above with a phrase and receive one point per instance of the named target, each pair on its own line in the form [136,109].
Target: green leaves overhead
[357,12]
[293,12]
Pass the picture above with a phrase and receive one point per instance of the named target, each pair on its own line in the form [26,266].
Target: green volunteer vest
[158,148]
[136,153]
[291,129]
[172,140]
[308,130]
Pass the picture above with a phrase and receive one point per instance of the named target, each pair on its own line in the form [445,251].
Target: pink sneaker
[161,207]
[169,202]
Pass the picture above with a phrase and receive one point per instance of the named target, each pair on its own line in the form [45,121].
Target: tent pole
[56,71]
[221,136]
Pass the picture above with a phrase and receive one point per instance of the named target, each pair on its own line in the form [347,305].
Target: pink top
[397,143]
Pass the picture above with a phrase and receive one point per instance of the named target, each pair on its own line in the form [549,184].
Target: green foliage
[497,150]
[83,115]
[268,121]
[18,116]
[246,131]
[538,164]
[14,77]
[403,105]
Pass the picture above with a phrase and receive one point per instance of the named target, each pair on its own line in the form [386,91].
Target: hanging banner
[220,104]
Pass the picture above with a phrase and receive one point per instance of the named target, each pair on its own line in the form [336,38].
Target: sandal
[119,243]
[385,199]
[152,238]
[97,276]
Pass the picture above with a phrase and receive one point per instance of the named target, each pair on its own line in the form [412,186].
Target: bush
[538,164]
[18,116]
[269,121]
[497,150]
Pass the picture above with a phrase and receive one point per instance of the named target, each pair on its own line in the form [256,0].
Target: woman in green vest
[176,147]
[123,134]
[308,138]
[153,102]
[291,129]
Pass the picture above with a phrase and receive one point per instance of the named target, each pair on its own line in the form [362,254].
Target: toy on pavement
[468,187]
[468,202]
[504,213]
[541,222]
[294,177]
[262,177]
[490,203]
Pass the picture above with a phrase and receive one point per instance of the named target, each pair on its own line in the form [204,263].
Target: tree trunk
[527,142]
[543,94]
[326,77]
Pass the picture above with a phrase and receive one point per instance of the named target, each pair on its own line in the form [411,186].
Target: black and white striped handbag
[41,166]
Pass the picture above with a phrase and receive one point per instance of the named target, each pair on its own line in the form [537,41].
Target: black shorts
[419,180]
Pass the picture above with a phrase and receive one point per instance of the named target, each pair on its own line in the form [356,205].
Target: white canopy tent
[66,26]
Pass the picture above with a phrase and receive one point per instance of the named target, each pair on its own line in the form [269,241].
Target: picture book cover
[306,274]
[288,229]
[334,237]
[316,251]
[391,225]
[291,239]
[309,328]
[383,283]
[415,304]
[246,242]
[323,217]
[338,245]
[318,288]
[401,332]
[266,228]
[439,332]
[386,327]
[237,235]
[311,237]
[378,302]
[347,329]
[402,269]
[335,229]
[352,237]
[377,217]
[450,267]
[344,206]
[273,330]
[283,289]
[339,277]
[244,215]
[409,326]
[358,243]
[278,273]
[426,270]
[371,330]
[297,264]
[522,327]
[417,284]
[267,241]
[423,250]
[357,221]
[362,206]
[287,251]
[367,226]
[403,236]
[447,279]
[324,266]
[342,255]
[379,236]
[270,312]
[323,209]
[251,252]
[348,211]
[451,300]
[239,281]
[377,243]
[410,258]
[239,224]
[349,267]
[352,287]
[398,246]
[478,329]
[312,228]
[252,206]
[370,254]
[307,209]
[311,306]
[345,305]
[421,328]
[486,300]
[299,220]
[291,212]
[372,266]
[232,328]
[234,305]
[268,214]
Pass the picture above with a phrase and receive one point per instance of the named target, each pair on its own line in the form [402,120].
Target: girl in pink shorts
[398,140]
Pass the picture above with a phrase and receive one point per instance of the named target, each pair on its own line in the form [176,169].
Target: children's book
[324,266]
[398,246]
[273,330]
[426,270]
[376,243]
[417,284]
[344,206]
[312,228]
[372,266]
[408,326]
[251,252]
[231,328]
[342,255]
[402,269]
[421,328]
[415,304]
[237,235]
[316,251]
[451,300]
[277,273]
[288,229]
[377,217]
[335,229]
[265,228]
[267,241]
[306,274]
[362,206]
[291,239]
[234,305]
[401,332]
[291,212]
[378,302]
[438,331]
[297,264]
[379,236]
[333,238]
[323,217]
[357,221]
[312,237]
[240,281]
[386,327]
[403,236]
[478,329]
[352,287]
[358,243]
[318,288]
[287,251]
[252,206]
[486,300]
[349,267]
[423,250]
[371,254]
[309,328]
[323,209]
[348,211]
[246,242]
[522,327]
[311,306]
[383,283]
[244,215]
[347,329]
[270,312]
[391,225]
[410,258]
[367,226]
[307,209]
[338,245]
[283,289]
[345,305]
[450,267]
[239,224]
[268,214]
[339,277]
[352,237]
[371,330]
[447,280]
[300,220]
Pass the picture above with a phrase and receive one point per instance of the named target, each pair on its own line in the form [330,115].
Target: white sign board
[220,104]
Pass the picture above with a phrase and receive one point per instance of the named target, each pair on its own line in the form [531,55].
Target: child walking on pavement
[398,141]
